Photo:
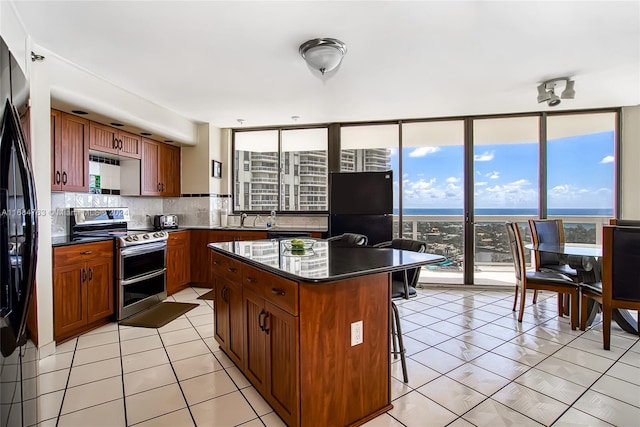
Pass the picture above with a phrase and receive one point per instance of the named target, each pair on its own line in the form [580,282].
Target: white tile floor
[470,363]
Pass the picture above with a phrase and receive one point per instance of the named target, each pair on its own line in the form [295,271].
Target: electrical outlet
[356,333]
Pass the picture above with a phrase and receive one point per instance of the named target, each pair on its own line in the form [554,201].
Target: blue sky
[580,174]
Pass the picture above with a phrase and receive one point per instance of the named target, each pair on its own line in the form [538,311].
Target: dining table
[586,259]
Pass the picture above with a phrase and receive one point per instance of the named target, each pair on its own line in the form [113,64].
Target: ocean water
[510,212]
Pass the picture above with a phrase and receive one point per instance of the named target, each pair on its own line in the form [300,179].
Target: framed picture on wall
[216,169]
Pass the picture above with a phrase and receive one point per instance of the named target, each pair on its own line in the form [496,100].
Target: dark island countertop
[323,262]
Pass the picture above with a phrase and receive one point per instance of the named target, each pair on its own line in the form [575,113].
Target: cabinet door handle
[84,275]
[225,294]
[251,279]
[162,187]
[216,262]
[57,177]
[159,190]
[64,178]
[266,319]
[261,319]
[232,269]
[114,143]
[91,274]
[278,291]
[86,252]
[120,145]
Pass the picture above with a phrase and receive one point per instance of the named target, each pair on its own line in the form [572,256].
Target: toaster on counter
[165,221]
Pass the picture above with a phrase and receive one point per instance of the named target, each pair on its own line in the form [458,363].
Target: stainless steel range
[140,256]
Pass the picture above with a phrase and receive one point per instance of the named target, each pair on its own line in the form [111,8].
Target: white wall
[629,161]
[75,86]
[41,157]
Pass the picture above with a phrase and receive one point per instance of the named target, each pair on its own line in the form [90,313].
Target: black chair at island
[403,286]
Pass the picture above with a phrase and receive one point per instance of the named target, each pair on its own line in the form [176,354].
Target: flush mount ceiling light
[323,54]
[546,91]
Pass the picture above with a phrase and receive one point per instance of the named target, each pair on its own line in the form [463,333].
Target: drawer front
[280,291]
[177,238]
[73,254]
[226,267]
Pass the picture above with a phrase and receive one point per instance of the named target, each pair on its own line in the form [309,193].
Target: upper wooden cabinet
[114,141]
[69,152]
[159,169]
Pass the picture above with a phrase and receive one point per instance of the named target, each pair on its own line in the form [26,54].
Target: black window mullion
[542,167]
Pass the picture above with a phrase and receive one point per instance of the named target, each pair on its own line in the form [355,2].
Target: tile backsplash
[198,211]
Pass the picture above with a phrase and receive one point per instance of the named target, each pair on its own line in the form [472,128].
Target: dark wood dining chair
[550,231]
[538,280]
[620,285]
[403,286]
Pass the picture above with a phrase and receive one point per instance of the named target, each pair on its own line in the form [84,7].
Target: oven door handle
[145,277]
[136,250]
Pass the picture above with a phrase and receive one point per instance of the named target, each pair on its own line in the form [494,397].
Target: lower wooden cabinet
[271,354]
[178,261]
[83,288]
[227,311]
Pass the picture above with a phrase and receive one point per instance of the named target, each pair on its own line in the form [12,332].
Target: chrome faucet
[256,220]
[242,218]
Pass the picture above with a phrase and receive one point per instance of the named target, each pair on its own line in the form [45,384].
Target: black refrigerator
[361,202]
[18,245]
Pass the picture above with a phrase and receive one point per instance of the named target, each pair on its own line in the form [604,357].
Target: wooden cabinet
[69,152]
[110,140]
[160,169]
[271,360]
[178,261]
[83,288]
[227,308]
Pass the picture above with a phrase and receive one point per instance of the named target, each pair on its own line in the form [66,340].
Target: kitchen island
[289,321]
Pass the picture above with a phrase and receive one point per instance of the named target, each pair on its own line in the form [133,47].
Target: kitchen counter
[322,263]
[311,332]
[72,240]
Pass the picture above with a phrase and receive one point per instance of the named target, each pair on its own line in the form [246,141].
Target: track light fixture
[546,91]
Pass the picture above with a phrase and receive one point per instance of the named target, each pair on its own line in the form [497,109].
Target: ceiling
[217,61]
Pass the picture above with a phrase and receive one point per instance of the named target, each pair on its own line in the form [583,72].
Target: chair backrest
[413,274]
[621,263]
[546,231]
[517,250]
[625,222]
[348,240]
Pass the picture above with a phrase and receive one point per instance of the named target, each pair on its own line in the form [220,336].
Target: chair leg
[574,301]
[394,334]
[403,360]
[606,326]
[560,304]
[515,299]
[535,296]
[584,302]
[523,297]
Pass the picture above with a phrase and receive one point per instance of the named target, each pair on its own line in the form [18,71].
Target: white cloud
[453,180]
[406,175]
[480,184]
[424,151]
[493,175]
[607,159]
[519,183]
[484,157]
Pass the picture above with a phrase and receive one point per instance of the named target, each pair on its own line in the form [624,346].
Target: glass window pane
[506,170]
[258,153]
[581,173]
[432,193]
[372,148]
[304,165]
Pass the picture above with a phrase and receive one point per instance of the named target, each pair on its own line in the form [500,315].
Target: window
[269,156]
[581,173]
